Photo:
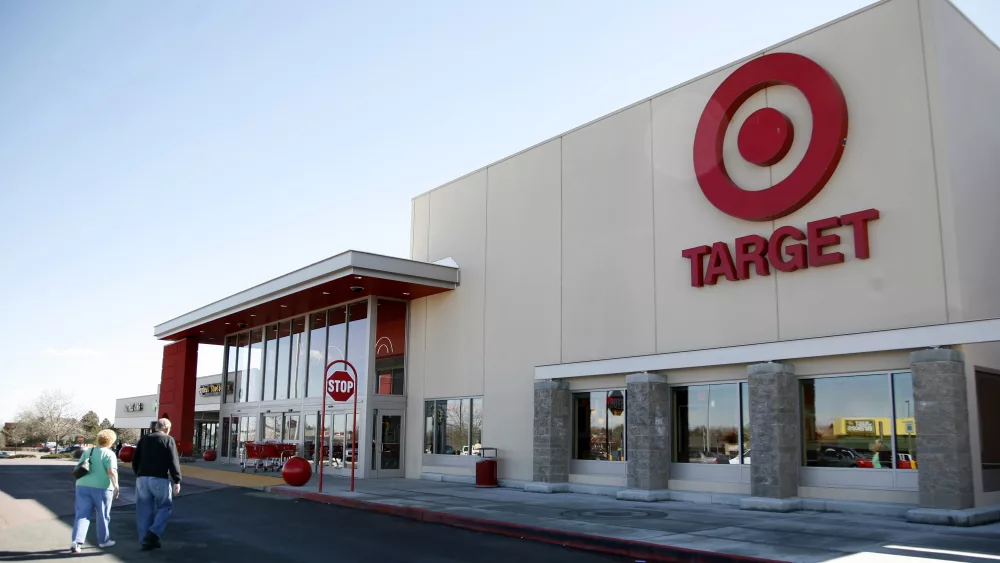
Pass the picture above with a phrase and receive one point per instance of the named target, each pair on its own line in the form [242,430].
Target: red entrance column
[177,391]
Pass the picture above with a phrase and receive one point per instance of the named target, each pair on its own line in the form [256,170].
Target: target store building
[774,285]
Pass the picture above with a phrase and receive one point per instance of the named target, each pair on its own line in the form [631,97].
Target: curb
[612,546]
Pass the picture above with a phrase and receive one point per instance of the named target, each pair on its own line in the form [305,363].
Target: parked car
[833,456]
[45,449]
[72,449]
[4,454]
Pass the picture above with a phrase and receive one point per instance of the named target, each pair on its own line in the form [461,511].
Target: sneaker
[109,543]
[74,547]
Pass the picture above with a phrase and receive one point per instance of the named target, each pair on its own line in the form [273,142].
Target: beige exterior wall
[963,68]
[571,250]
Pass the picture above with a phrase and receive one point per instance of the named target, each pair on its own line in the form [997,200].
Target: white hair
[163,425]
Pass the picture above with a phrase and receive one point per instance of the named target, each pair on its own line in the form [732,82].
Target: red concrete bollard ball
[126,454]
[297,471]
[209,455]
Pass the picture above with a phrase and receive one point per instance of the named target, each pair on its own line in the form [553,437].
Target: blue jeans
[91,499]
[154,501]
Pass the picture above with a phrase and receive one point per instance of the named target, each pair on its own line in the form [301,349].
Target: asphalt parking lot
[213,523]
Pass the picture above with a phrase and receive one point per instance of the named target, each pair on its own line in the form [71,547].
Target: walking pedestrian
[95,491]
[158,478]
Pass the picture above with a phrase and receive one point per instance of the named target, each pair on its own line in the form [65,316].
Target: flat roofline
[351,262]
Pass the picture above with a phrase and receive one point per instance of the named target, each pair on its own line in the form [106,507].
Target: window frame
[581,463]
[886,479]
[436,458]
[739,430]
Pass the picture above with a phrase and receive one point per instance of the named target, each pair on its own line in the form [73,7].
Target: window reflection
[707,421]
[300,359]
[745,420]
[336,342]
[477,426]
[255,390]
[600,425]
[390,346]
[456,426]
[905,423]
[272,428]
[270,361]
[230,378]
[357,342]
[453,426]
[242,361]
[309,436]
[847,421]
[284,360]
[317,354]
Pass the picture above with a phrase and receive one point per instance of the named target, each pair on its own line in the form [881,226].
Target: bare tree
[52,417]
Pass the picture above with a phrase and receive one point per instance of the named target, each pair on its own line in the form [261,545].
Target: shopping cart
[285,451]
[265,457]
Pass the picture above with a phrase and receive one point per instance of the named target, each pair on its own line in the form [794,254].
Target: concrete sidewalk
[663,531]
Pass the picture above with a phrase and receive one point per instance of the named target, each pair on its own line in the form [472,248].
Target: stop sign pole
[340,386]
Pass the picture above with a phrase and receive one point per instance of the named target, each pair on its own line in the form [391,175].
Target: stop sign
[340,386]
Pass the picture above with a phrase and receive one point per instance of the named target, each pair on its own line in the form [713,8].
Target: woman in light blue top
[95,491]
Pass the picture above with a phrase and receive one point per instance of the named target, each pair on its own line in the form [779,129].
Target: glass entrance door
[387,460]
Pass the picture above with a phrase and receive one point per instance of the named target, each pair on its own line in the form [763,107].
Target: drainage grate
[612,514]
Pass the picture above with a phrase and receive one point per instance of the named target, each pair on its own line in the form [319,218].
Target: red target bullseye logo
[766,136]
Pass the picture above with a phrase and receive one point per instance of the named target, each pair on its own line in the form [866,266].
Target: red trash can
[486,469]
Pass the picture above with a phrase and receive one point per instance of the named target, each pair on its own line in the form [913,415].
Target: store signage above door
[133,407]
[212,389]
[764,139]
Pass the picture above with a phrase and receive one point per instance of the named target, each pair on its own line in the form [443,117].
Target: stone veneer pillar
[944,454]
[553,435]
[774,438]
[647,413]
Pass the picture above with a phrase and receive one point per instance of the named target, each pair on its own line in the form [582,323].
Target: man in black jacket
[158,478]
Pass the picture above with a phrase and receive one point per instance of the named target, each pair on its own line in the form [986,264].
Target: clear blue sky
[157,156]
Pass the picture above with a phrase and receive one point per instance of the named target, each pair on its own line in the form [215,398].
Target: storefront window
[987,399]
[270,361]
[234,434]
[453,426]
[599,426]
[309,436]
[224,451]
[255,391]
[456,432]
[477,425]
[317,354]
[339,437]
[853,421]
[336,340]
[906,424]
[300,358]
[745,421]
[229,379]
[243,360]
[284,360]
[430,416]
[357,342]
[290,433]
[272,428]
[709,421]
[390,347]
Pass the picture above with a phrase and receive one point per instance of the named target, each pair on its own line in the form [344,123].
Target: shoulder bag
[83,468]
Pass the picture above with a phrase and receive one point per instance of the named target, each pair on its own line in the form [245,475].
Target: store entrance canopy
[341,278]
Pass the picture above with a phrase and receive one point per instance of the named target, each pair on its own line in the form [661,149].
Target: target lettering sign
[764,140]
[340,386]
